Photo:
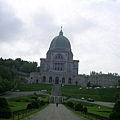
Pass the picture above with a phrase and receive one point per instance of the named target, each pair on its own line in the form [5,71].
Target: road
[108,104]
[17,94]
[55,113]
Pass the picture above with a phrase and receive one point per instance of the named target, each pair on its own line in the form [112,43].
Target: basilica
[59,67]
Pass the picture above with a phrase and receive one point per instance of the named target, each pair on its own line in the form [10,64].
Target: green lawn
[95,109]
[24,101]
[103,94]
[34,87]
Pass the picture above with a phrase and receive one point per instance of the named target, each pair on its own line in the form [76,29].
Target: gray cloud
[91,26]
[10,24]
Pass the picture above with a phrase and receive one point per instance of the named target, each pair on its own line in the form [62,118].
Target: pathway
[55,113]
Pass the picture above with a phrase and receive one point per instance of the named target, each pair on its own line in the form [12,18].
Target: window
[44,79]
[58,63]
[69,81]
[50,79]
[63,80]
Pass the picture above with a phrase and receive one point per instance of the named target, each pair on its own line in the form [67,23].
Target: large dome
[60,42]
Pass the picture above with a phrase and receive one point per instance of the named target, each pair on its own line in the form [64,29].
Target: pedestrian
[56,104]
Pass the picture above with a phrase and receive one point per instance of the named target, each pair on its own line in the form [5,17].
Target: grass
[103,94]
[22,104]
[34,87]
[93,108]
[18,105]
[28,114]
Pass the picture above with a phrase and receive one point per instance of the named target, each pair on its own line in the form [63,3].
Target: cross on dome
[61,32]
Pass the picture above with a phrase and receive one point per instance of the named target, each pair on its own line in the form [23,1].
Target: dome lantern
[60,41]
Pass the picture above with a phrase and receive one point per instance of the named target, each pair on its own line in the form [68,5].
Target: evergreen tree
[117,96]
[5,110]
[115,114]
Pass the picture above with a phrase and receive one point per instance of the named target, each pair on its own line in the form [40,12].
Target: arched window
[50,79]
[44,79]
[63,80]
[37,81]
[57,80]
[69,81]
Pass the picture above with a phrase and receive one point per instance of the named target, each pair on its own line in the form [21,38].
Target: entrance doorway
[57,80]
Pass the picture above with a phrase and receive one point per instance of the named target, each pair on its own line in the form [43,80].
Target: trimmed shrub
[5,111]
[78,107]
[115,114]
[29,106]
[42,102]
[85,110]
[70,104]
[26,100]
[35,104]
[17,100]
[34,97]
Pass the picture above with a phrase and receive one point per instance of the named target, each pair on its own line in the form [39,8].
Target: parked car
[43,90]
[90,100]
[82,98]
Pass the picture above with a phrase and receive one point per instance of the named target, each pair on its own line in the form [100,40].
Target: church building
[58,67]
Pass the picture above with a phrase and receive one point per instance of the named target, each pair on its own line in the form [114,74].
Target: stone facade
[104,80]
[59,67]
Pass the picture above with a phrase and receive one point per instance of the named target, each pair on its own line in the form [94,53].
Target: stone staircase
[56,99]
[56,94]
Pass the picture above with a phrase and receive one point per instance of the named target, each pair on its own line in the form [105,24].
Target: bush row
[36,104]
[77,106]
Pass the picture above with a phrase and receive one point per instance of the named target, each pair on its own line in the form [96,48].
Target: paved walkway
[55,113]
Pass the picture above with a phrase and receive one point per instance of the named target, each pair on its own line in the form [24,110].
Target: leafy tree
[9,63]
[1,88]
[115,114]
[1,61]
[119,82]
[5,111]
[6,73]
[5,85]
[89,84]
[18,63]
[29,67]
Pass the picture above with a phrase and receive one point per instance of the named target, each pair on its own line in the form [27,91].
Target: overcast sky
[27,28]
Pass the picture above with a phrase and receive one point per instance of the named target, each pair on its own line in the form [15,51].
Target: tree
[5,111]
[9,63]
[119,82]
[18,63]
[29,67]
[1,61]
[6,73]
[5,85]
[115,114]
[117,96]
[88,84]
